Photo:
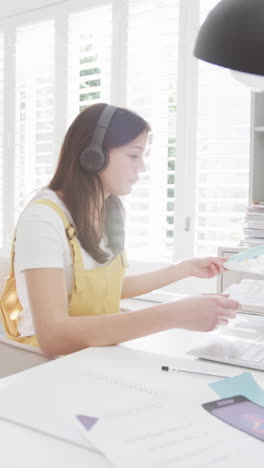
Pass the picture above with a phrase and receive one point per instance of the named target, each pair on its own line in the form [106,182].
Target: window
[220,167]
[89,58]
[151,91]
[34,122]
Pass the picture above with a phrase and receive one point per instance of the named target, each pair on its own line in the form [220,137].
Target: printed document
[169,436]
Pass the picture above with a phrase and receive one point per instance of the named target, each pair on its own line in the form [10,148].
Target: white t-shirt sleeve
[40,239]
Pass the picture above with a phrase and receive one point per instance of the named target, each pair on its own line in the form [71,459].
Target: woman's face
[125,164]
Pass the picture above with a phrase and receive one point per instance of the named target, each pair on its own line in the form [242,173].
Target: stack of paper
[254,225]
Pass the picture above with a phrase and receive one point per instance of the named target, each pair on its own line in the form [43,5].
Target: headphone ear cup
[93,159]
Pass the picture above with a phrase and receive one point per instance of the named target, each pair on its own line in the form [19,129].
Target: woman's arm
[58,333]
[135,285]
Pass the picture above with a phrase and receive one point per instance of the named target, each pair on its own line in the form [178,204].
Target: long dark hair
[82,192]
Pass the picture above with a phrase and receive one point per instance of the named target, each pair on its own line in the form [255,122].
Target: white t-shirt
[41,242]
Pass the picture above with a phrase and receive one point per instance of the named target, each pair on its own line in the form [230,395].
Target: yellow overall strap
[72,239]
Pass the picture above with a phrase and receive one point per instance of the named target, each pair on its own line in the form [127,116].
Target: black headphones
[92,158]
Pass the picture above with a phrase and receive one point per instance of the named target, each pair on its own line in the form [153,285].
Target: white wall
[15,7]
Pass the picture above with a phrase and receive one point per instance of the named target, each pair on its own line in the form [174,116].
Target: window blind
[151,91]
[222,156]
[89,74]
[1,133]
[34,124]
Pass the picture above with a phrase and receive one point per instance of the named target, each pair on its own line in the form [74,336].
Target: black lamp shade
[232,36]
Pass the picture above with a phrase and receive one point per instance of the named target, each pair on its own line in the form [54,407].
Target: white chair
[15,357]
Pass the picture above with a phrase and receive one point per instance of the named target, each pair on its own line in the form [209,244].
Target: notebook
[99,384]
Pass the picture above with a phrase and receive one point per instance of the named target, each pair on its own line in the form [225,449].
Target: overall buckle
[70,232]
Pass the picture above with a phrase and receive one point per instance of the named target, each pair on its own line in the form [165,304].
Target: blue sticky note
[243,384]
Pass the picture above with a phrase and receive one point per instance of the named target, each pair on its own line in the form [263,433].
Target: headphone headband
[102,126]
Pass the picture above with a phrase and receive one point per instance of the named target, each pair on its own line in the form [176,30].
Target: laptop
[240,343]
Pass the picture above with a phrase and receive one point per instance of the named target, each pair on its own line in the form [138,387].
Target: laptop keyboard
[254,353]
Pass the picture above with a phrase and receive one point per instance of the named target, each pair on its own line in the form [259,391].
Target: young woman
[68,262]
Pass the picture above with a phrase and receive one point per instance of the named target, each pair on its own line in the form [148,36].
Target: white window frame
[186,130]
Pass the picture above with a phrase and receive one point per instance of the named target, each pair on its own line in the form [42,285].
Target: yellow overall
[94,292]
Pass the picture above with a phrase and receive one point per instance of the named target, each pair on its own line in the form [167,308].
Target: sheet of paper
[50,397]
[97,382]
[243,384]
[169,436]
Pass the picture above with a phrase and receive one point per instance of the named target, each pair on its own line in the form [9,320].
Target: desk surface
[36,449]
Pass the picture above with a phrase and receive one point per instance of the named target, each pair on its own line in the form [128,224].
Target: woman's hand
[205,312]
[207,267]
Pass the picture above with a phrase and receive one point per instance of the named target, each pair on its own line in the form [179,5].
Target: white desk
[21,446]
